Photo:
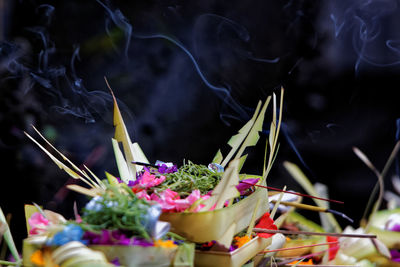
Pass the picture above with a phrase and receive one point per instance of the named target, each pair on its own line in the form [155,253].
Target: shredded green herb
[118,208]
[190,177]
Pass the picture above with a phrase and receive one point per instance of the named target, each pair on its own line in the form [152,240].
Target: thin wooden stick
[305,246]
[294,193]
[314,208]
[309,265]
[287,232]
[288,262]
[144,164]
[277,203]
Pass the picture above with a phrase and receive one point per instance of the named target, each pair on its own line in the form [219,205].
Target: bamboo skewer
[145,164]
[298,247]
[287,232]
[294,193]
[319,265]
[314,208]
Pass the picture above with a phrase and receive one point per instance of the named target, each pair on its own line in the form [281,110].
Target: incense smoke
[366,26]
[224,92]
[53,83]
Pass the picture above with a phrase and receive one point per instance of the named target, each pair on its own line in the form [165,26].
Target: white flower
[94,204]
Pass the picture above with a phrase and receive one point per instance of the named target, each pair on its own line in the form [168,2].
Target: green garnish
[190,177]
[118,208]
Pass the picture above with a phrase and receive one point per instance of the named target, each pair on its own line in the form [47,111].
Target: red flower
[333,248]
[266,223]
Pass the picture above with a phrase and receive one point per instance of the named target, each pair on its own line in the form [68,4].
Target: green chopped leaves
[118,208]
[190,177]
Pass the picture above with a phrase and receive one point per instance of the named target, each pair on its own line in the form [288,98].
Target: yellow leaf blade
[218,157]
[226,188]
[121,135]
[300,177]
[84,191]
[237,139]
[55,160]
[123,169]
[253,136]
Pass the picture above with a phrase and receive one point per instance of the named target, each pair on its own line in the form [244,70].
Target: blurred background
[188,75]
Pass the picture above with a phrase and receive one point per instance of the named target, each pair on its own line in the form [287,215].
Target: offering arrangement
[162,214]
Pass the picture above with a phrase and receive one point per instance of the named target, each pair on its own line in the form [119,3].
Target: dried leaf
[237,139]
[3,228]
[121,135]
[253,219]
[123,168]
[276,205]
[99,182]
[78,170]
[218,157]
[396,183]
[253,136]
[226,188]
[112,180]
[85,178]
[56,161]
[9,239]
[299,176]
[139,156]
[227,237]
[241,162]
[273,136]
[84,191]
[272,129]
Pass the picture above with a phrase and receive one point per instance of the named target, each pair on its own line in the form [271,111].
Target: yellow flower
[37,258]
[164,243]
[309,262]
[241,240]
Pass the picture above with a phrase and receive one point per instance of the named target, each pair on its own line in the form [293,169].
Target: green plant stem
[8,263]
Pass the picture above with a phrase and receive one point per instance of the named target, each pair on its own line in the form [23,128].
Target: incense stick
[305,246]
[287,232]
[144,164]
[314,208]
[289,261]
[319,265]
[294,193]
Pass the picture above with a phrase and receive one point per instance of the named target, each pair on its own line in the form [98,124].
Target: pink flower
[148,180]
[143,194]
[170,200]
[166,199]
[38,223]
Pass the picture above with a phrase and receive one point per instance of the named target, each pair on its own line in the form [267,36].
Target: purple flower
[246,184]
[166,167]
[395,228]
[114,237]
[393,223]
[395,255]
[107,237]
[142,243]
[116,262]
[130,183]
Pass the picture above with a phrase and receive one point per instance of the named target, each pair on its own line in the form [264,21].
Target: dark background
[184,97]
